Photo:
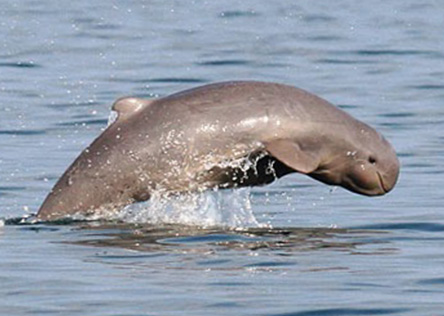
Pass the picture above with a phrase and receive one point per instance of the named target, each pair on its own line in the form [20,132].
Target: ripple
[269,264]
[84,122]
[434,281]
[180,238]
[398,114]
[224,283]
[65,105]
[237,14]
[278,192]
[104,37]
[226,62]
[19,64]
[22,132]
[347,106]
[9,188]
[85,20]
[423,227]
[406,154]
[325,38]
[178,80]
[343,61]
[40,228]
[225,305]
[395,52]
[396,125]
[318,18]
[417,165]
[210,238]
[128,256]
[428,87]
[105,26]
[347,312]
[160,80]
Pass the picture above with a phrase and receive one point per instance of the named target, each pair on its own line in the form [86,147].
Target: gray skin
[223,135]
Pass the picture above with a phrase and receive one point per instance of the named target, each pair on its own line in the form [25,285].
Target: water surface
[304,249]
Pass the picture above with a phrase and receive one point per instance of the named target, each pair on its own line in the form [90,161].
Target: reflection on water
[214,247]
[179,238]
[187,238]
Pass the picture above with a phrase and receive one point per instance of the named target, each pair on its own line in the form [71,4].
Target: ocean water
[294,248]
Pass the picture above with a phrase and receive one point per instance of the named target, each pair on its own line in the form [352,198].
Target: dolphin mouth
[381,181]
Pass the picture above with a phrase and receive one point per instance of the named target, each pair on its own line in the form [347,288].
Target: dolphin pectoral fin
[291,154]
[127,106]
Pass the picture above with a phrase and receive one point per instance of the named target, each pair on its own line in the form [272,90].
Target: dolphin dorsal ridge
[127,106]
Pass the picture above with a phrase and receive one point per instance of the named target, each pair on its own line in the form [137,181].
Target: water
[307,250]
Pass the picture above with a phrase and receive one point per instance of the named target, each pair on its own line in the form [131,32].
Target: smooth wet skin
[221,135]
[371,170]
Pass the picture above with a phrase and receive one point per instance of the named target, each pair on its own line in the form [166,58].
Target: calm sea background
[322,252]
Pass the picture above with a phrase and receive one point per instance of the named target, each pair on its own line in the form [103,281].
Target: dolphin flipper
[291,154]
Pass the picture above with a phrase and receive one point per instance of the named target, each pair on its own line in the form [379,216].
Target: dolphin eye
[372,160]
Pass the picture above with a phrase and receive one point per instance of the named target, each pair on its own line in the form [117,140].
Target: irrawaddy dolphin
[221,135]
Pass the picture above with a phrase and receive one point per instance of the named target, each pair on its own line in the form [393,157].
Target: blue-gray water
[328,253]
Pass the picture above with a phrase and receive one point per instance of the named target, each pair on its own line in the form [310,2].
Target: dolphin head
[373,170]
[366,164]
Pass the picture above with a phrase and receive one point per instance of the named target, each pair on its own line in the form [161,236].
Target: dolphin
[222,135]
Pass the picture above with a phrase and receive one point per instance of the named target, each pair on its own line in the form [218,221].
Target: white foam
[228,208]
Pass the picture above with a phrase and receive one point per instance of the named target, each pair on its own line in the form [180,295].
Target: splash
[111,118]
[226,208]
[214,208]
[200,206]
